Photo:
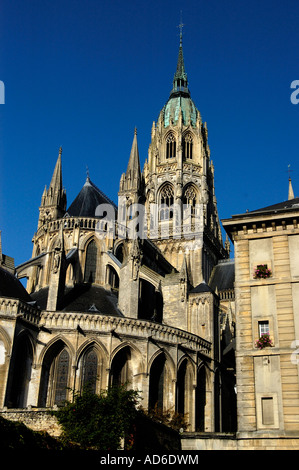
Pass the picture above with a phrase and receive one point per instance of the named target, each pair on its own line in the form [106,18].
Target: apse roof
[88,199]
[82,298]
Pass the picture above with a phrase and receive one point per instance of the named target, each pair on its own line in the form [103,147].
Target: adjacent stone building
[266,243]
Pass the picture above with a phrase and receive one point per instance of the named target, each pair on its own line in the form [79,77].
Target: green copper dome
[172,109]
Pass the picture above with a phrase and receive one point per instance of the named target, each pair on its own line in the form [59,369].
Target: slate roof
[202,287]
[292,204]
[10,286]
[289,205]
[83,298]
[85,204]
[223,275]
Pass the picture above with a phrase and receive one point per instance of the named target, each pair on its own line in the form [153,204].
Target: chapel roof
[84,297]
[88,199]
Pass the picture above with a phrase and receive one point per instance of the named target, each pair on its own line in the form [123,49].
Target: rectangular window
[267,411]
[264,328]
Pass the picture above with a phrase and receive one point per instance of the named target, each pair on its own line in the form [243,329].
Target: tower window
[170,146]
[187,147]
[166,199]
[189,202]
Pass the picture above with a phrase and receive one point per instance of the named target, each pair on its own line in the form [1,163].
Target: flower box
[262,272]
[264,341]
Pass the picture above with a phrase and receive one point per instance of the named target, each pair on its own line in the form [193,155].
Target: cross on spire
[181,25]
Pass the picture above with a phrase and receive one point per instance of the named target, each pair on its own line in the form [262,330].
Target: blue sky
[82,74]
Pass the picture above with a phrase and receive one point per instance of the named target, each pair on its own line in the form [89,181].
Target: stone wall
[35,419]
[221,441]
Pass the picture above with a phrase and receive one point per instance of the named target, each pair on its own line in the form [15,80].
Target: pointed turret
[55,187]
[131,180]
[291,192]
[133,173]
[53,203]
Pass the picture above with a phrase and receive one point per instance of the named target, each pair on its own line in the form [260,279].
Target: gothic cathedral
[139,292]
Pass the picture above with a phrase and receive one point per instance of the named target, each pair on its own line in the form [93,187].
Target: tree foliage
[99,421]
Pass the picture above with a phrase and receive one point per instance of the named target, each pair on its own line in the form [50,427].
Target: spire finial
[87,172]
[180,81]
[181,25]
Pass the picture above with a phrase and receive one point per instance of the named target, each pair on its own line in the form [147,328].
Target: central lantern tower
[181,207]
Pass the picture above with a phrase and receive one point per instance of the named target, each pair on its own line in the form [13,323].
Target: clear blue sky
[82,74]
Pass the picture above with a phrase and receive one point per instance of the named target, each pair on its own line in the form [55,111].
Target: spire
[56,182]
[133,169]
[53,202]
[130,182]
[180,81]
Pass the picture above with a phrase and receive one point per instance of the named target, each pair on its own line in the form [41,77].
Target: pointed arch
[161,373]
[166,201]
[187,146]
[170,141]
[55,375]
[126,364]
[185,381]
[92,361]
[120,251]
[20,372]
[91,255]
[190,200]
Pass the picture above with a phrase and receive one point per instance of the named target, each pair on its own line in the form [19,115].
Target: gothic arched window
[121,371]
[21,373]
[55,376]
[189,202]
[170,146]
[187,147]
[90,369]
[91,262]
[156,383]
[166,202]
[61,368]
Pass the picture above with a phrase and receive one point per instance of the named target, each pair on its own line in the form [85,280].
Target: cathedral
[141,292]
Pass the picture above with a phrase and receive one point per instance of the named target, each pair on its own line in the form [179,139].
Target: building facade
[266,295]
